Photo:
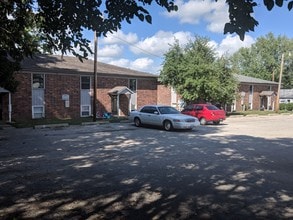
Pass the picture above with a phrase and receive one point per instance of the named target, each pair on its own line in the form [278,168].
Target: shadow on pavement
[84,174]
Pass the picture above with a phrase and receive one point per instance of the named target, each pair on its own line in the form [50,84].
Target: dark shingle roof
[72,65]
[252,80]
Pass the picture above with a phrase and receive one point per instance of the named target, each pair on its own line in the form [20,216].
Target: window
[189,108]
[149,109]
[132,85]
[85,110]
[85,82]
[212,107]
[250,89]
[168,110]
[38,108]
[250,98]
[38,111]
[38,81]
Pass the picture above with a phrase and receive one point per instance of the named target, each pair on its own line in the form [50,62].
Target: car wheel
[203,121]
[168,125]
[216,122]
[137,122]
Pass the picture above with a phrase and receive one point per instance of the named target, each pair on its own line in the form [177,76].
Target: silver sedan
[161,115]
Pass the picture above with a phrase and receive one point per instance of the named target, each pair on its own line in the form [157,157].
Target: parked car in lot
[205,113]
[166,116]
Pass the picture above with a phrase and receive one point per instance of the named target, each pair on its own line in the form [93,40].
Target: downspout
[118,107]
[9,107]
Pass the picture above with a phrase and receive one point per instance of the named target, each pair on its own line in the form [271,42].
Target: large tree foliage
[241,14]
[58,25]
[197,74]
[28,26]
[263,59]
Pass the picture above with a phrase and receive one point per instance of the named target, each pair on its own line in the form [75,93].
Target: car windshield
[168,110]
[212,107]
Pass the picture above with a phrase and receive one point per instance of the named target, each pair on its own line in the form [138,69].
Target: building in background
[286,96]
[254,94]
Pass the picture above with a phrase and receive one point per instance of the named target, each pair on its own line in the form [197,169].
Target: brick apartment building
[255,94]
[55,87]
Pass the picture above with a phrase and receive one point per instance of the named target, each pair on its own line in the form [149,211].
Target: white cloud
[141,64]
[218,17]
[210,11]
[112,50]
[230,44]
[190,12]
[120,38]
[159,43]
[120,62]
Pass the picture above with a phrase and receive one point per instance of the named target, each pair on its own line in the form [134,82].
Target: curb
[51,126]
[94,123]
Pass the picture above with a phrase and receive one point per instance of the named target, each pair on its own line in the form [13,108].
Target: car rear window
[212,107]
[168,110]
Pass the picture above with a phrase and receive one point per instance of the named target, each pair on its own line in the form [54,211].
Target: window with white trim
[132,84]
[38,106]
[38,111]
[250,98]
[38,81]
[85,110]
[85,82]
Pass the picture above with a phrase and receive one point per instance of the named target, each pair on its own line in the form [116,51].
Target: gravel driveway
[241,169]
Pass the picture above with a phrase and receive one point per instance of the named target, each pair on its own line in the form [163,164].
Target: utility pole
[280,83]
[95,78]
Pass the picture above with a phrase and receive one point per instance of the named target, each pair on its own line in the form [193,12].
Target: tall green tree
[197,74]
[263,59]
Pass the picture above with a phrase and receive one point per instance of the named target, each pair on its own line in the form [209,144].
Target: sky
[141,46]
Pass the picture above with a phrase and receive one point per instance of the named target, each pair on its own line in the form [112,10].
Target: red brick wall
[22,99]
[124,104]
[104,85]
[146,92]
[4,99]
[164,95]
[55,87]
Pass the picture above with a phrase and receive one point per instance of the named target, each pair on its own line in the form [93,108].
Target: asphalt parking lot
[241,169]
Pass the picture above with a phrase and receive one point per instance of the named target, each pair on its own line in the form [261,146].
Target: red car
[205,113]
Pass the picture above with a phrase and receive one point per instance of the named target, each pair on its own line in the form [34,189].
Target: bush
[286,106]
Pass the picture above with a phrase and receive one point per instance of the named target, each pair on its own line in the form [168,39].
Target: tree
[263,59]
[196,74]
[240,15]
[28,26]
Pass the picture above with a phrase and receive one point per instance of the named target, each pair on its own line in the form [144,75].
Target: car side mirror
[156,112]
